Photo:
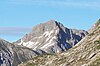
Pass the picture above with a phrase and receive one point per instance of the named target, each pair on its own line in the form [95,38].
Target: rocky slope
[85,53]
[11,55]
[51,37]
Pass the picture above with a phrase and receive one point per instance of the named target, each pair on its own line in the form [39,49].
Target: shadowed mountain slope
[52,37]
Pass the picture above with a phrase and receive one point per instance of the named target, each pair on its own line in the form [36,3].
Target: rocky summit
[84,53]
[51,37]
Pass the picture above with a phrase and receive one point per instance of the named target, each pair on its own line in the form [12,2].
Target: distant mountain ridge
[51,37]
[84,53]
[11,55]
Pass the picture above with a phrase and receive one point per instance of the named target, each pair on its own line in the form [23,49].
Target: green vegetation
[40,59]
[61,60]
[30,64]
[94,32]
[43,59]
[98,47]
[97,42]
[91,34]
[42,55]
[95,63]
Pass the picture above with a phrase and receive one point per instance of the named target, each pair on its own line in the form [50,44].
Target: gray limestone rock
[84,53]
[11,55]
[52,37]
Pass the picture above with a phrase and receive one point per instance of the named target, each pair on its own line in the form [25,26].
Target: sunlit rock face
[85,53]
[51,37]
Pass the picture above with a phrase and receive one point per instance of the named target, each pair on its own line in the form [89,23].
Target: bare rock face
[84,53]
[51,37]
[11,55]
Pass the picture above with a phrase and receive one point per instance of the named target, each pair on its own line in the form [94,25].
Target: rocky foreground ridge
[85,53]
[44,47]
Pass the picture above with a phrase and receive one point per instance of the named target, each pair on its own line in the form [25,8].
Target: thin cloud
[58,3]
[13,31]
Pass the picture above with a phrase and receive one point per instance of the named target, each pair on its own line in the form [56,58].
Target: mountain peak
[47,26]
[51,37]
[52,21]
[86,52]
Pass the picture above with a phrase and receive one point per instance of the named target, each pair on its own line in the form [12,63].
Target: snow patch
[48,33]
[49,37]
[50,43]
[28,44]
[47,45]
[20,43]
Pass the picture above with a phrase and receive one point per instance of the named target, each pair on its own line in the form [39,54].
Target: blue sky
[17,17]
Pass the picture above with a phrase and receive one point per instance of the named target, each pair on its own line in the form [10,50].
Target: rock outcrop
[11,55]
[85,53]
[52,37]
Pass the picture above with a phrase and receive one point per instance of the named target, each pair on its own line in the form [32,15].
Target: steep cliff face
[85,53]
[51,37]
[6,56]
[11,55]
